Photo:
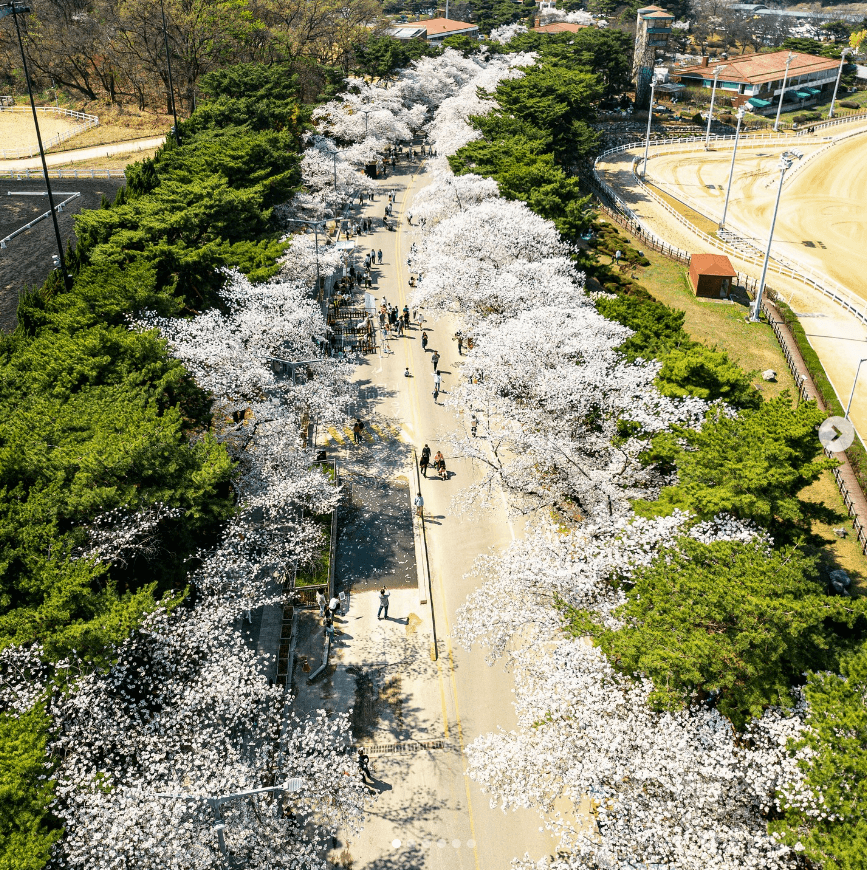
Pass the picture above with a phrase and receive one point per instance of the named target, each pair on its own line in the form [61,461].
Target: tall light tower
[16,9]
[741,111]
[169,66]
[839,74]
[716,73]
[783,91]
[649,122]
[786,160]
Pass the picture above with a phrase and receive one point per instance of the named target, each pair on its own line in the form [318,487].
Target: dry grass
[119,126]
[116,161]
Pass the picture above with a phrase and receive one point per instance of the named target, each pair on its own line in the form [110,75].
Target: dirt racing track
[821,226]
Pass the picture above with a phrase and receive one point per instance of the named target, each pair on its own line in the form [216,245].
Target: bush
[697,118]
[807,118]
[707,374]
[850,104]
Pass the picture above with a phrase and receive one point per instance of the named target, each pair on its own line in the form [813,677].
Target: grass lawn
[754,347]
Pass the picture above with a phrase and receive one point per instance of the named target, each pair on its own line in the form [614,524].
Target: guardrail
[86,122]
[58,208]
[27,174]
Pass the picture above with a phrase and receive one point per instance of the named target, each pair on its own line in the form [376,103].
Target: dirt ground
[26,261]
[17,130]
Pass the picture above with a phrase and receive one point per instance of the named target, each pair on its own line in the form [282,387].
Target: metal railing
[85,122]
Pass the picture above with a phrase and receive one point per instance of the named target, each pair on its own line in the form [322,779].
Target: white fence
[27,174]
[58,208]
[83,122]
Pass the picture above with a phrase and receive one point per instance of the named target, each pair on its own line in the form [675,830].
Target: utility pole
[839,75]
[783,91]
[16,9]
[741,112]
[786,161]
[169,66]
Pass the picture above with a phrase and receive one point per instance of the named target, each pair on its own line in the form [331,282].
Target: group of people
[329,610]
[439,463]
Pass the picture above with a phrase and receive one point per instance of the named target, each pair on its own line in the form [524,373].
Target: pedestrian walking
[424,461]
[383,602]
[436,394]
[372,256]
[379,255]
[460,345]
[334,607]
[435,358]
[321,601]
[400,326]
[474,423]
[409,218]
[438,380]
[356,432]
[364,766]
[419,505]
[424,341]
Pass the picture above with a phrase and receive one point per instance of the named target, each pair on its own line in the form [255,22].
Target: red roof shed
[711,275]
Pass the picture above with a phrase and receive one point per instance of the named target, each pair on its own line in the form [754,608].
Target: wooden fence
[83,122]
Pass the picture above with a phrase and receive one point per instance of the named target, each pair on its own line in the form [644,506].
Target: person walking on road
[460,339]
[364,766]
[334,607]
[438,380]
[474,423]
[436,394]
[424,341]
[320,600]
[425,460]
[379,255]
[435,358]
[419,505]
[383,602]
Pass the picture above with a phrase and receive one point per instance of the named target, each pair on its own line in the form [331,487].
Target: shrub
[807,117]
[849,104]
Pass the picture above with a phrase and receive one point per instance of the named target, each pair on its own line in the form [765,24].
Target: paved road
[77,155]
[427,813]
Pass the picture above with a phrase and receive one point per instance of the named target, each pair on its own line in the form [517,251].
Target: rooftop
[560,27]
[759,68]
[713,264]
[439,26]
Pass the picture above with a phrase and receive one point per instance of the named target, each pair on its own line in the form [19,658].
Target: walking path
[415,715]
[77,155]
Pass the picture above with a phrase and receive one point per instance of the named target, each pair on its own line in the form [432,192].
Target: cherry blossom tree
[185,712]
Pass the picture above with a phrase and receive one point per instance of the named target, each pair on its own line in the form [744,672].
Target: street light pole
[839,74]
[785,164]
[852,394]
[741,112]
[716,73]
[649,122]
[16,9]
[169,66]
[783,91]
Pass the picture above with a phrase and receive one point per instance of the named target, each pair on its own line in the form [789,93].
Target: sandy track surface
[838,338]
[822,222]
[17,130]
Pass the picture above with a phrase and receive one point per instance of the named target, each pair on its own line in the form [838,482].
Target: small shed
[711,275]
